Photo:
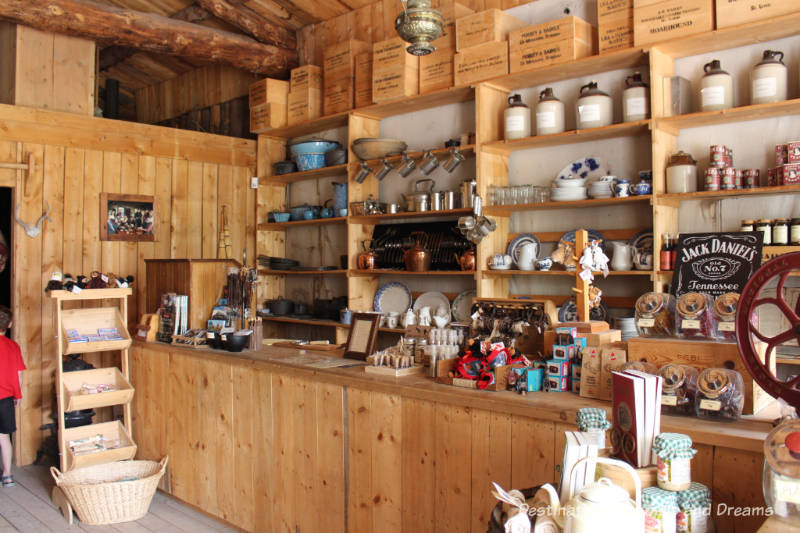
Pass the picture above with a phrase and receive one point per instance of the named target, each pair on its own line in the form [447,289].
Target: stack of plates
[628,327]
[601,189]
[567,194]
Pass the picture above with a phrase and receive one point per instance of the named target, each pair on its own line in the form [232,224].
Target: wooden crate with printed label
[340,59]
[363,80]
[304,105]
[556,41]
[436,69]
[487,26]
[395,72]
[662,20]
[268,91]
[339,95]
[305,77]
[614,25]
[482,62]
[736,12]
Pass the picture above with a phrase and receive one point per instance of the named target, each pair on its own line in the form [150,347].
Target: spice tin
[695,505]
[660,510]
[720,394]
[674,455]
[752,178]
[693,320]
[728,176]
[793,152]
[713,179]
[791,174]
[725,316]
[679,389]
[781,154]
[654,314]
[717,155]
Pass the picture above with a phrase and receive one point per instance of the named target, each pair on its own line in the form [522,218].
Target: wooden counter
[269,445]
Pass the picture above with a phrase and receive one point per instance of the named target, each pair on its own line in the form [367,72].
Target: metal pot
[393,208]
[417,258]
[437,200]
[467,260]
[451,199]
[469,188]
[418,199]
[280,307]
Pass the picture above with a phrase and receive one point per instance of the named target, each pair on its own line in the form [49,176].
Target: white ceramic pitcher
[527,256]
[623,256]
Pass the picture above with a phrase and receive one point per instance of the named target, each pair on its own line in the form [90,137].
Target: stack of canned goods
[787,165]
[721,174]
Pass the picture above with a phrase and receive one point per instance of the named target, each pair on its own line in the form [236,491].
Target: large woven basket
[112,492]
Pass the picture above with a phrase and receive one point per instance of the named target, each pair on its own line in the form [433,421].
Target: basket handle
[57,475]
[163,462]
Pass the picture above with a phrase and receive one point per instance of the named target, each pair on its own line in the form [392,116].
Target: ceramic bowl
[281,217]
[373,148]
[236,343]
[309,155]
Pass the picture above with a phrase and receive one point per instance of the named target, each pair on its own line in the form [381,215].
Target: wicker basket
[112,492]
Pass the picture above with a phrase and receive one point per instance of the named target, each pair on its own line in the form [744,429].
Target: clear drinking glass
[493,195]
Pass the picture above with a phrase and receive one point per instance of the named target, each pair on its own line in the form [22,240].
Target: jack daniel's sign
[716,263]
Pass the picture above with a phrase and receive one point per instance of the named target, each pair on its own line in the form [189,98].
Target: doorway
[5,228]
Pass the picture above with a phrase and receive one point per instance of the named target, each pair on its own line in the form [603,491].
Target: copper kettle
[366,259]
[417,258]
[467,260]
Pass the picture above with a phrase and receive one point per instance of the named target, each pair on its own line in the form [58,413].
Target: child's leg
[5,452]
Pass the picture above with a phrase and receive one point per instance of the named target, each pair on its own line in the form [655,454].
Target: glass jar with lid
[747,225]
[780,232]
[679,389]
[591,421]
[654,314]
[660,510]
[781,477]
[794,231]
[674,455]
[720,394]
[764,225]
[725,316]
[693,319]
[695,514]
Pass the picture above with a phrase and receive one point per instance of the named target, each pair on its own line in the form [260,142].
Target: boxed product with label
[662,20]
[304,105]
[736,12]
[487,26]
[267,116]
[556,41]
[781,154]
[793,152]
[590,372]
[268,91]
[614,34]
[557,383]
[482,62]
[436,68]
[339,95]
[557,367]
[363,80]
[452,11]
[305,77]
[576,385]
[395,72]
[677,96]
[611,358]
[791,174]
[564,351]
[340,59]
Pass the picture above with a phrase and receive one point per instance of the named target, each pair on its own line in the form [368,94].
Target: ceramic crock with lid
[674,456]
[517,118]
[716,88]
[594,108]
[768,80]
[681,173]
[635,99]
[549,113]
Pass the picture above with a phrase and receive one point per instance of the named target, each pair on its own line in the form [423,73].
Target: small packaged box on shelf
[614,25]
[557,41]
[790,174]
[481,62]
[590,373]
[575,371]
[557,384]
[793,152]
[491,25]
[781,154]
[663,20]
[572,331]
[535,379]
[305,77]
[576,385]
[564,352]
[558,367]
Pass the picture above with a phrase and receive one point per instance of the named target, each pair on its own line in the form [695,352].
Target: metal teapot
[417,258]
[467,260]
[366,260]
[419,199]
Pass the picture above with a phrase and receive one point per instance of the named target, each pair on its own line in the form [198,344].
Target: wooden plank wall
[374,22]
[197,89]
[279,452]
[191,174]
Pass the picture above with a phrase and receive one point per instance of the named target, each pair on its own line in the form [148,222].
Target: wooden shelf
[91,294]
[506,210]
[393,272]
[721,195]
[377,219]
[275,226]
[726,116]
[72,382]
[465,150]
[268,272]
[598,275]
[329,122]
[610,234]
[410,104]
[88,321]
[788,360]
[625,129]
[304,321]
[317,173]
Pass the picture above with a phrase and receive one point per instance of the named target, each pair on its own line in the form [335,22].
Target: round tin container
[713,179]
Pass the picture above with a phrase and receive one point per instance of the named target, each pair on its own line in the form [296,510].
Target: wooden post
[581,286]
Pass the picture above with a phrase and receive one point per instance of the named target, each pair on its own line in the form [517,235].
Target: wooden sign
[716,263]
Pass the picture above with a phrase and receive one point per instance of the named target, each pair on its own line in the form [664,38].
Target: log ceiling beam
[154,33]
[250,22]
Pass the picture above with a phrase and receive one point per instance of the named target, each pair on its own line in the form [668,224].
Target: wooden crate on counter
[662,20]
[557,41]
[487,26]
[735,12]
[482,62]
[614,25]
[395,72]
[339,75]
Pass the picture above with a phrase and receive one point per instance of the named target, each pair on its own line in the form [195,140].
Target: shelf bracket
[28,166]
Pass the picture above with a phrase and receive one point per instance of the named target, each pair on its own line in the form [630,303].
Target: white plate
[432,299]
[462,305]
[585,168]
[392,297]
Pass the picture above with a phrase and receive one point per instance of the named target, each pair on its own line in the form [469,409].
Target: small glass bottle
[764,225]
[794,231]
[665,257]
[720,394]
[679,389]
[674,252]
[747,225]
[780,232]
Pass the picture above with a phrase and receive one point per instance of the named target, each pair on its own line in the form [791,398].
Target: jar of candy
[781,481]
[592,423]
[660,510]
[720,394]
[725,316]
[780,232]
[641,366]
[654,314]
[695,513]
[674,455]
[764,225]
[693,319]
[747,225]
[679,389]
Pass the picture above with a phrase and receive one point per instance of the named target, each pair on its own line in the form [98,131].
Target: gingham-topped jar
[661,510]
[695,504]
[674,452]
[592,423]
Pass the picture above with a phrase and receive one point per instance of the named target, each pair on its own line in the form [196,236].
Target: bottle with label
[780,232]
[665,257]
[549,113]
[716,88]
[794,231]
[764,225]
[635,99]
[517,118]
[720,394]
[594,108]
[768,80]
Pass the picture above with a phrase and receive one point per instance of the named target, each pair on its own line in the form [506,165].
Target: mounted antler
[31,230]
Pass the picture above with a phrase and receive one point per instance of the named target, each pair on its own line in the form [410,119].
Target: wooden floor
[27,507]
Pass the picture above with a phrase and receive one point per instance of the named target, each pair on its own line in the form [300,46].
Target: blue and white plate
[594,235]
[392,297]
[585,168]
[642,241]
[515,246]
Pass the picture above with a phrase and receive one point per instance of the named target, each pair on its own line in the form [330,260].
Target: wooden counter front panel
[275,452]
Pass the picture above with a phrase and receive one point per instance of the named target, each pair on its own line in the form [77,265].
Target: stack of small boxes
[395,73]
[482,46]
[305,94]
[339,74]
[268,103]
[553,42]
[560,369]
[787,165]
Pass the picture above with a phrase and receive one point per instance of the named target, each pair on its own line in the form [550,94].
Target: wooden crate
[452,11]
[268,116]
[339,95]
[614,9]
[736,12]
[701,355]
[482,62]
[340,59]
[614,34]
[72,382]
[436,69]
[109,430]
[662,20]
[363,80]
[305,77]
[389,84]
[391,55]
[268,90]
[557,41]
[487,26]
[88,321]
[304,105]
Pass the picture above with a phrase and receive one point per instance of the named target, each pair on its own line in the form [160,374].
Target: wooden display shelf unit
[109,430]
[467,149]
[623,129]
[76,400]
[722,195]
[598,275]
[377,219]
[294,177]
[90,294]
[278,226]
[506,210]
[268,272]
[735,114]
[88,321]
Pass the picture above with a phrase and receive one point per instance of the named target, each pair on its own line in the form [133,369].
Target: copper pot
[366,259]
[467,260]
[417,258]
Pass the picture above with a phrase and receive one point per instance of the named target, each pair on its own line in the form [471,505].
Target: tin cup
[407,166]
[383,170]
[455,159]
[430,162]
[365,171]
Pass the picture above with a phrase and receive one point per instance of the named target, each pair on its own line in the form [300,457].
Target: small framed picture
[128,217]
[363,336]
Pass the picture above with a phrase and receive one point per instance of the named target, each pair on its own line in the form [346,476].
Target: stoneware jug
[643,260]
[527,256]
[622,258]
[409,319]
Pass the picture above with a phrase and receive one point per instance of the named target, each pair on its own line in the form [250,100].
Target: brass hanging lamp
[419,24]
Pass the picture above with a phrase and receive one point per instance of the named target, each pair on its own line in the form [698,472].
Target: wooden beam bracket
[29,166]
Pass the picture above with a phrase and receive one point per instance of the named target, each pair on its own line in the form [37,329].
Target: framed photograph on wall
[128,217]
[363,336]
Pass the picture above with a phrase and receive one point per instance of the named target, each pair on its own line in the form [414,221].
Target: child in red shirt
[11,367]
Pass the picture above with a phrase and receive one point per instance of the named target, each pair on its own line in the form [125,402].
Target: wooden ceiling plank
[251,23]
[278,14]
[154,68]
[146,31]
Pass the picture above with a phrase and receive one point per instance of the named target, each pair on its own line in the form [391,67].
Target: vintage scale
[781,479]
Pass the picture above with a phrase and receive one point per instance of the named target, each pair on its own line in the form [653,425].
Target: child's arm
[19,374]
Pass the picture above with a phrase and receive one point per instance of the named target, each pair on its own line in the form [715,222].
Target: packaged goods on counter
[724,319]
[720,394]
[679,389]
[592,423]
[654,314]
[693,318]
[661,510]
[695,504]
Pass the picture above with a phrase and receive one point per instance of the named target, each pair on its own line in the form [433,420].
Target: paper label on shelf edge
[786,490]
[765,87]
[515,123]
[711,405]
[589,112]
[713,95]
[690,324]
[726,326]
[646,322]
[636,105]
[669,400]
[545,119]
